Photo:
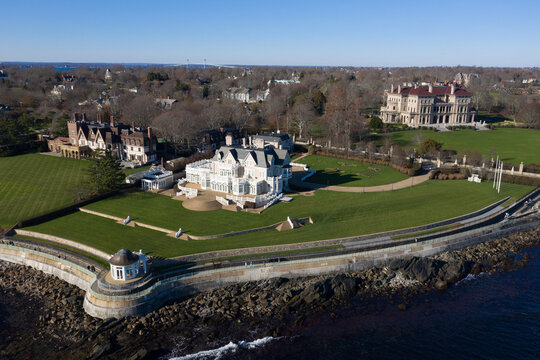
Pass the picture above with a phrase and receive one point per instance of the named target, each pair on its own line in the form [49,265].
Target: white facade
[126,265]
[241,171]
[157,179]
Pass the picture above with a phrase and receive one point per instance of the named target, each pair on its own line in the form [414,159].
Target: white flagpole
[500,178]
[495,172]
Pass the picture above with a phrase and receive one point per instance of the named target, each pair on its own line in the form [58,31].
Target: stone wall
[139,302]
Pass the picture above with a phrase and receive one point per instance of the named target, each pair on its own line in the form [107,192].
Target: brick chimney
[133,125]
[111,121]
[149,132]
[430,89]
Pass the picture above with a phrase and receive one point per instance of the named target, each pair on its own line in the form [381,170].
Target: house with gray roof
[275,139]
[243,171]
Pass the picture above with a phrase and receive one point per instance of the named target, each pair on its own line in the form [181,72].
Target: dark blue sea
[490,316]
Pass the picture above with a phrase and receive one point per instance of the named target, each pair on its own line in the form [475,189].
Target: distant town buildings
[122,141]
[530,81]
[246,95]
[165,104]
[464,79]
[58,90]
[108,75]
[419,105]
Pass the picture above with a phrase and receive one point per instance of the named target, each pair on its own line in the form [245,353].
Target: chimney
[415,85]
[133,125]
[84,117]
[430,89]
[244,144]
[399,89]
[111,121]
[452,89]
[149,132]
[228,140]
[392,88]
[168,97]
[98,118]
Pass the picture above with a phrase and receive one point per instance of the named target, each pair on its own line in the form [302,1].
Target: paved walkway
[414,180]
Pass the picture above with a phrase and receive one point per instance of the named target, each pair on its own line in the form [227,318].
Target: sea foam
[225,349]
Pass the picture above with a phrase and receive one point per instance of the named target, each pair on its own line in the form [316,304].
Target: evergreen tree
[104,174]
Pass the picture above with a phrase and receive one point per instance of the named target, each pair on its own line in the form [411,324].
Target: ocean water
[490,316]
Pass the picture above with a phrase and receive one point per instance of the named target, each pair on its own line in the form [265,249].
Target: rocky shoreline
[44,315]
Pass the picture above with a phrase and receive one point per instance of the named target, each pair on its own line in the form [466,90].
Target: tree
[319,100]
[141,110]
[104,174]
[429,145]
[375,123]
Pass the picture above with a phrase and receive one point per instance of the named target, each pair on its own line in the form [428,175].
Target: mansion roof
[262,157]
[436,91]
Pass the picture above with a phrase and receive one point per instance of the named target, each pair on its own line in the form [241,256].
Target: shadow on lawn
[324,177]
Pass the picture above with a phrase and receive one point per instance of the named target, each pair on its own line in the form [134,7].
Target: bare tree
[141,110]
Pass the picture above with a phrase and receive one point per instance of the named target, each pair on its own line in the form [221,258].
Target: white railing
[190,193]
[273,201]
[222,200]
[304,166]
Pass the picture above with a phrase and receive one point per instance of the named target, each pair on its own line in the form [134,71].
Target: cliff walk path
[298,173]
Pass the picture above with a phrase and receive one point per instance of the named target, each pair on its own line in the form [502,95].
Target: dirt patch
[374,169]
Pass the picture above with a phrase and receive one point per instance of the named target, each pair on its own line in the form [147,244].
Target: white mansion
[243,171]
[426,105]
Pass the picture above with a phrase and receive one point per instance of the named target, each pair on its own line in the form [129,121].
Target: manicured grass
[335,215]
[136,170]
[92,257]
[33,184]
[332,171]
[512,145]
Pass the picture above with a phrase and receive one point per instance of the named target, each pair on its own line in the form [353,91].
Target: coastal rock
[441,285]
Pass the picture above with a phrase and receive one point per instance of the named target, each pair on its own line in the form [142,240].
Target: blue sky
[274,32]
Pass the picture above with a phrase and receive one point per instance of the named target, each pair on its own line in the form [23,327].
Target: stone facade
[431,105]
[277,140]
[122,141]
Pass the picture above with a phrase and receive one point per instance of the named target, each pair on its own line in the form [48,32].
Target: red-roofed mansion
[428,105]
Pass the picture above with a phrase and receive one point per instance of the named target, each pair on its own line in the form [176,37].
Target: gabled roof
[262,157]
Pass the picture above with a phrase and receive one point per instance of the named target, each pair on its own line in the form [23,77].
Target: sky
[274,32]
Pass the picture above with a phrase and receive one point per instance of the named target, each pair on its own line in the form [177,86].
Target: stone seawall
[134,302]
[49,264]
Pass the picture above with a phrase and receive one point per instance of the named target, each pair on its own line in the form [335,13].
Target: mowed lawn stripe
[32,184]
[335,215]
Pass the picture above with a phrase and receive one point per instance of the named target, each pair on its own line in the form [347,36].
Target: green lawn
[513,145]
[332,171]
[33,184]
[335,214]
